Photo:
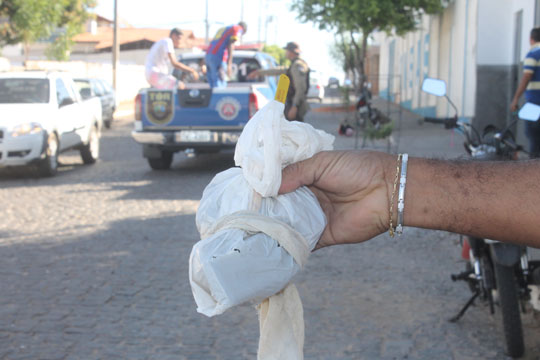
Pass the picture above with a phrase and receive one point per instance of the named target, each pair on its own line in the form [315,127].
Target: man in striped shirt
[530,85]
[219,54]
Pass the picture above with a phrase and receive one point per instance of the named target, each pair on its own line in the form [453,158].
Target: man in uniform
[296,105]
[219,54]
[159,60]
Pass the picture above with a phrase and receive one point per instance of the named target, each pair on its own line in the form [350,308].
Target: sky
[270,20]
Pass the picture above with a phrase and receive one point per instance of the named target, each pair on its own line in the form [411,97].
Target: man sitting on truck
[159,60]
[219,54]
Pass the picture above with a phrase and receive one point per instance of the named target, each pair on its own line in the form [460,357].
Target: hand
[253,75]
[353,188]
[293,111]
[195,75]
[514,105]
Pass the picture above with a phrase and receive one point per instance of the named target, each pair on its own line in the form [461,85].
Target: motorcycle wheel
[509,302]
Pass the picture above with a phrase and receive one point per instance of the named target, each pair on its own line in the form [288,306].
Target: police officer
[296,105]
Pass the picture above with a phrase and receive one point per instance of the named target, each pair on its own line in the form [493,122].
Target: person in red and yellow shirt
[219,54]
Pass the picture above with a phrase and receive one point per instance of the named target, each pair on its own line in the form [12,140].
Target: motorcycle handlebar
[449,123]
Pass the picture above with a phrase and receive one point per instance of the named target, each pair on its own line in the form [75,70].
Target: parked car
[101,89]
[333,82]
[43,115]
[316,88]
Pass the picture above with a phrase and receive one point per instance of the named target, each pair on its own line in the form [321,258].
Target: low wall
[130,78]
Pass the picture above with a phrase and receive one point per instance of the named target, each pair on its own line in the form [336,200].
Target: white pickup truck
[42,115]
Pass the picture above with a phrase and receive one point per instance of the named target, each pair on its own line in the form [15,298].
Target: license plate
[194,136]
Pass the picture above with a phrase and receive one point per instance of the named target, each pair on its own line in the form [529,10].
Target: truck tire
[509,301]
[90,151]
[161,163]
[49,165]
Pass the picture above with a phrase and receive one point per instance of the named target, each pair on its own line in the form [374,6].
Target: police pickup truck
[198,118]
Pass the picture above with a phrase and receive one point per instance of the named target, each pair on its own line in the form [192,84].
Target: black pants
[532,130]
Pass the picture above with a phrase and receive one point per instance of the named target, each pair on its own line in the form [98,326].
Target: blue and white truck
[198,118]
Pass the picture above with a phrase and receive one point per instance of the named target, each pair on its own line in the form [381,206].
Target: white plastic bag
[231,266]
[253,240]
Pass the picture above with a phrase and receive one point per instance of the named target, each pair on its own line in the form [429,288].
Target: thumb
[297,175]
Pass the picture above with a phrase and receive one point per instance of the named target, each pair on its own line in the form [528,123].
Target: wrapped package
[233,266]
[253,241]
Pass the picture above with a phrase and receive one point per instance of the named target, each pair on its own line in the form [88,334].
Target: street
[94,265]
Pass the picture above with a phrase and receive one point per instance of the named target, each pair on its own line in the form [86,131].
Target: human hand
[291,114]
[195,75]
[353,188]
[253,75]
[514,105]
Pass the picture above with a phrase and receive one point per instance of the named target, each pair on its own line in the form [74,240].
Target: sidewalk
[409,135]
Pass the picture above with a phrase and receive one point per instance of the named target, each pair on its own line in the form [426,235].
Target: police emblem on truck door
[159,106]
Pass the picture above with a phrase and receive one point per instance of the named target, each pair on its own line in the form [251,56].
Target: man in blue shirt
[530,85]
[219,54]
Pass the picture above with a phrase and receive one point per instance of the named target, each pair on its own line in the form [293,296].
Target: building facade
[476,46]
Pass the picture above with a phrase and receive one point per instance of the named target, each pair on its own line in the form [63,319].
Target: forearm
[522,86]
[496,200]
[272,72]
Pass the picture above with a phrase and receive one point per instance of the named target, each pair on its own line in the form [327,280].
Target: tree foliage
[355,20]
[277,53]
[27,21]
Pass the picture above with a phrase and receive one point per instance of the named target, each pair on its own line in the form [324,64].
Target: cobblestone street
[94,265]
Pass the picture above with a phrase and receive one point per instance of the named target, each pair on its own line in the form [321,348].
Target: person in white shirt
[161,58]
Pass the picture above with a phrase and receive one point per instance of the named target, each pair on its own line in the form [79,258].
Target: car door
[68,110]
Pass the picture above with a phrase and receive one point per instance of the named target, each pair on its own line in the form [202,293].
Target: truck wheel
[90,151]
[49,165]
[161,163]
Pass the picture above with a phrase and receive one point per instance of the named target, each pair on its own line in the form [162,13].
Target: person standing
[160,59]
[530,85]
[296,105]
[219,54]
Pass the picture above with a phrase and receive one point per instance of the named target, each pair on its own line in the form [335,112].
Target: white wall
[450,49]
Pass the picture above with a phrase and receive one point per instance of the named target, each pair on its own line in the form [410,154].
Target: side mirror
[66,101]
[434,87]
[530,112]
[86,93]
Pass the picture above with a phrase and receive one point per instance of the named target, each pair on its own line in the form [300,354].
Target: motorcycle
[497,273]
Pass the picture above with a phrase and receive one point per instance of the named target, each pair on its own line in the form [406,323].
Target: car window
[241,67]
[98,88]
[15,91]
[62,92]
[82,84]
[106,86]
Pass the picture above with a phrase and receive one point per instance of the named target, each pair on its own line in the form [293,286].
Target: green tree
[277,53]
[30,20]
[355,20]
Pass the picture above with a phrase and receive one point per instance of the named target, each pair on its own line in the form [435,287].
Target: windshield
[16,91]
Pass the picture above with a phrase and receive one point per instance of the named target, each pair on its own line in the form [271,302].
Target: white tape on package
[233,266]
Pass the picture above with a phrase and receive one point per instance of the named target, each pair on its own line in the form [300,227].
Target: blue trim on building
[385,94]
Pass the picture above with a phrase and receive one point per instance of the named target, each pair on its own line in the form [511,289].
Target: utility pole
[207,24]
[242,10]
[116,48]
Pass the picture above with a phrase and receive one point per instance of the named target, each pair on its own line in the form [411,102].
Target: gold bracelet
[391,229]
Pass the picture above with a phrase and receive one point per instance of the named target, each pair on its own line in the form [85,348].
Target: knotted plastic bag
[254,241]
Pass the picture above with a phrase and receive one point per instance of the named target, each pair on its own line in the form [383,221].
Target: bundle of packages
[253,241]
